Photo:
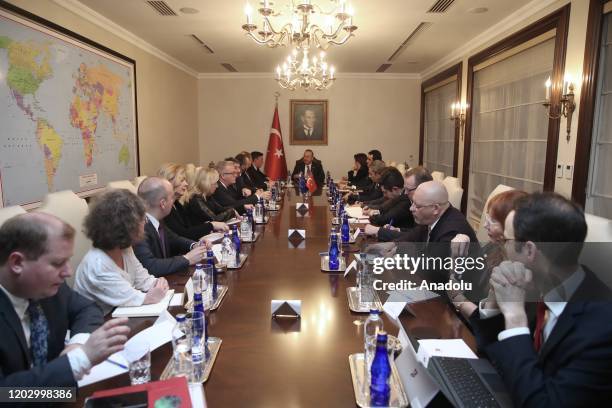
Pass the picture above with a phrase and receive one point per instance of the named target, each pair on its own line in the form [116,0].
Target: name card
[291,308]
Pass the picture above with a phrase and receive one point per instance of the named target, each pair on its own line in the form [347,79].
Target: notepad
[154,309]
[355,212]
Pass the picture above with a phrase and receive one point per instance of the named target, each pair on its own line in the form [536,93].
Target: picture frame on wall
[308,122]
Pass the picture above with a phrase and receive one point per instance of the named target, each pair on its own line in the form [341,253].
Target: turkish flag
[311,183]
[276,165]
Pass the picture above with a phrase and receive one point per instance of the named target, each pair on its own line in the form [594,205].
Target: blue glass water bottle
[236,241]
[345,230]
[380,391]
[334,252]
[210,258]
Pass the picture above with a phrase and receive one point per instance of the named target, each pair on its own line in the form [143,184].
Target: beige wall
[573,66]
[167,96]
[364,114]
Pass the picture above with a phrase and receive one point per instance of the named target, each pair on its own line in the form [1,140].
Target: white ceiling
[383,27]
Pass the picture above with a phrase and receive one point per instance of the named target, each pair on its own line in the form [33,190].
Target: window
[599,187]
[439,130]
[509,132]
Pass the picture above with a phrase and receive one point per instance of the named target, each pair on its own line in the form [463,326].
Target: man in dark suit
[161,251]
[412,179]
[37,308]
[227,196]
[565,358]
[372,191]
[396,210]
[244,180]
[256,173]
[307,164]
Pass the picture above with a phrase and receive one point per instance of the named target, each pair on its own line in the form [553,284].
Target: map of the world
[67,114]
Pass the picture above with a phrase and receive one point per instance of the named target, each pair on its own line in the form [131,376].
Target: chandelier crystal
[309,25]
[300,72]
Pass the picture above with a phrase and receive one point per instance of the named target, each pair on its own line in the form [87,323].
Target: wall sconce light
[566,104]
[458,110]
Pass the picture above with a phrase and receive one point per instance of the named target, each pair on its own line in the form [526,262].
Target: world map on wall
[67,114]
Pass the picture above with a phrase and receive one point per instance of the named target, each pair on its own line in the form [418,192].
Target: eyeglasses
[407,189]
[228,174]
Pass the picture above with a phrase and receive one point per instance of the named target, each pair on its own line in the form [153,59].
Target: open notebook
[154,309]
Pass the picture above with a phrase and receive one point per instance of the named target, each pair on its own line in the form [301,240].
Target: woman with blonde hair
[200,206]
[177,220]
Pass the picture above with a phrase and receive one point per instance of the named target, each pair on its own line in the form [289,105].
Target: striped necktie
[39,331]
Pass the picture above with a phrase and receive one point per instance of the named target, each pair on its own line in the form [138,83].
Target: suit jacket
[258,177]
[179,222]
[397,210]
[369,193]
[245,181]
[317,171]
[228,197]
[149,251]
[300,134]
[361,179]
[67,310]
[574,366]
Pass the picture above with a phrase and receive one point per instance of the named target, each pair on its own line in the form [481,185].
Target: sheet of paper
[156,335]
[198,397]
[350,267]
[444,348]
[165,317]
[177,300]
[154,309]
[105,370]
[354,212]
[394,308]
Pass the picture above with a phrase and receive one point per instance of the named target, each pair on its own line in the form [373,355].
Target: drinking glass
[138,354]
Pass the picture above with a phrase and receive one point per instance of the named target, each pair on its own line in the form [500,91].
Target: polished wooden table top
[263,365]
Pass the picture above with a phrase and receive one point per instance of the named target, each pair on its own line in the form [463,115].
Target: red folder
[174,391]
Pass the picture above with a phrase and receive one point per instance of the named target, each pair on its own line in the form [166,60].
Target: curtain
[509,125]
[439,139]
[599,192]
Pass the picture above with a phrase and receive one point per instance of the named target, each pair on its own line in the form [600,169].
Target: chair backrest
[455,194]
[402,168]
[437,175]
[10,212]
[124,184]
[139,180]
[72,209]
[451,182]
[598,244]
[481,233]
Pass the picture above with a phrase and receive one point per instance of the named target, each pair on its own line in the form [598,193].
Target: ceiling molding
[508,23]
[98,19]
[271,75]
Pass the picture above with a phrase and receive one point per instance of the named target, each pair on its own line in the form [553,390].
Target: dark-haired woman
[359,177]
[110,274]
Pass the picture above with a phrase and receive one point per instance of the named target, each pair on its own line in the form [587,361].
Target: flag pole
[276,96]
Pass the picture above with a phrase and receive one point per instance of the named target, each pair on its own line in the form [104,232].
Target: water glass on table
[138,354]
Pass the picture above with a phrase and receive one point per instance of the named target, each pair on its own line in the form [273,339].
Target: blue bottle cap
[374,311]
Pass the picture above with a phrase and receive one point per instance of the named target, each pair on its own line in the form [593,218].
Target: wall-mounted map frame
[68,111]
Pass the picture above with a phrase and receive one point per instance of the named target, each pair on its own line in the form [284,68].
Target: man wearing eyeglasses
[563,356]
[412,179]
[225,195]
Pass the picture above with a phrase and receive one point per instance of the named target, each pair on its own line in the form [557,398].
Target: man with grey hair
[162,251]
[38,308]
[226,196]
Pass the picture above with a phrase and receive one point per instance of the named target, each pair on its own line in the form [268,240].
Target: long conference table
[263,365]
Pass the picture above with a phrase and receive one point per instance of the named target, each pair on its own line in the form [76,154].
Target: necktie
[308,173]
[541,317]
[39,331]
[428,233]
[162,239]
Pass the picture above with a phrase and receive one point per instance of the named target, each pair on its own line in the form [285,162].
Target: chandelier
[303,73]
[309,25]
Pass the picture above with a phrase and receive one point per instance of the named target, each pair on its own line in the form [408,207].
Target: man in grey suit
[37,308]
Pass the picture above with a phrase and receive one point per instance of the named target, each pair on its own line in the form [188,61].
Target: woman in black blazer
[177,220]
[358,177]
[199,204]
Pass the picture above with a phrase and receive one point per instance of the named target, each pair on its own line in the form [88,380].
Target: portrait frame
[318,135]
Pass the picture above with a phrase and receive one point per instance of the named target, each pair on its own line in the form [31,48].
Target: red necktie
[538,336]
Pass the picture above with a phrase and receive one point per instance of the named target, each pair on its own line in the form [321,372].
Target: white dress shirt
[78,360]
[154,221]
[98,278]
[555,302]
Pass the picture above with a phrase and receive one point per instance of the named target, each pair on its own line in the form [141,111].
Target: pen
[117,364]
[390,223]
